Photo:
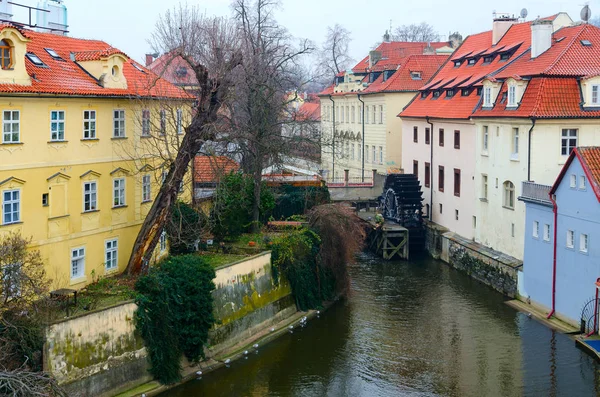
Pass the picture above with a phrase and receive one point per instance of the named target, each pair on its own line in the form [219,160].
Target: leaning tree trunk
[257,179]
[209,103]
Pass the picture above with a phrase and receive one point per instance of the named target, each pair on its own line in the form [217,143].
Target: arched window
[6,61]
[509,195]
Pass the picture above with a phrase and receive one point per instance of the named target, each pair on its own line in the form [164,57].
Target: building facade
[77,171]
[360,130]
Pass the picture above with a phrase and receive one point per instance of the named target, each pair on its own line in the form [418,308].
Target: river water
[411,329]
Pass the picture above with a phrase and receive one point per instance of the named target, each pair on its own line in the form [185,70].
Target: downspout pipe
[362,118]
[529,150]
[430,169]
[555,211]
[332,139]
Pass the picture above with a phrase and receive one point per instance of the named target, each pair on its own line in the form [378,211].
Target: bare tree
[416,32]
[334,53]
[595,21]
[210,47]
[265,88]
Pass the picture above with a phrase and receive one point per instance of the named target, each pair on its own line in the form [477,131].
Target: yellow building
[79,159]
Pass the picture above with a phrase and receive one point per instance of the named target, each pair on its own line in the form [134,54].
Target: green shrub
[175,313]
[297,200]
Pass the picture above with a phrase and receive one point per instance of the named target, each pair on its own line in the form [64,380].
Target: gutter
[430,170]
[332,139]
[529,150]
[363,137]
[555,210]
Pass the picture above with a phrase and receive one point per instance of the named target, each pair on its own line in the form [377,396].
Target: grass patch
[220,259]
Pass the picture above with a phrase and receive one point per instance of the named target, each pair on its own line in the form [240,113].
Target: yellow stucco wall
[37,166]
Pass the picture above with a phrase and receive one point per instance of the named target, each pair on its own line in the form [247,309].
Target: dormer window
[488,59]
[415,75]
[436,94]
[512,95]
[53,54]
[472,61]
[424,94]
[479,91]
[6,55]
[457,63]
[35,59]
[505,56]
[450,93]
[487,97]
[465,92]
[387,74]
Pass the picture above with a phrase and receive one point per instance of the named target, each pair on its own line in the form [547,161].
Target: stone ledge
[481,249]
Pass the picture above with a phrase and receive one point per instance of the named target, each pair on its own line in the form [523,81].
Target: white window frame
[119,192]
[595,99]
[90,196]
[352,152]
[163,241]
[367,114]
[353,115]
[119,117]
[146,188]
[56,134]
[570,239]
[78,255]
[146,122]
[367,153]
[487,96]
[179,121]
[380,114]
[536,229]
[582,182]
[380,154]
[11,207]
[484,186]
[509,195]
[374,158]
[584,243]
[515,144]
[89,124]
[512,95]
[111,254]
[546,232]
[374,115]
[566,138]
[486,139]
[573,181]
[11,126]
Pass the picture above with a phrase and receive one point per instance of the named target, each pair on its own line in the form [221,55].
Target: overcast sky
[126,24]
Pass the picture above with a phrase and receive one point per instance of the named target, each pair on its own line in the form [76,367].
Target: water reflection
[418,329]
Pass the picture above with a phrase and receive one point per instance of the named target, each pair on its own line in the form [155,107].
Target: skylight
[53,53]
[35,59]
[135,65]
[586,43]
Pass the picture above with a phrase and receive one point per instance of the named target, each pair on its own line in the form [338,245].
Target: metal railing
[536,192]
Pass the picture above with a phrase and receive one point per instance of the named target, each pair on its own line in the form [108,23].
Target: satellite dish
[586,13]
[524,13]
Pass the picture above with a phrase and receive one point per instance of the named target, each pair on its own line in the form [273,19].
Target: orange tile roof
[589,158]
[169,65]
[67,77]
[309,111]
[210,169]
[392,54]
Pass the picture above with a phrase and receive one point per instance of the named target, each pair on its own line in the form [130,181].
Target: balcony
[536,193]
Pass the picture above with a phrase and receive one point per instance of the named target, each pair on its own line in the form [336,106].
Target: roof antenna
[586,13]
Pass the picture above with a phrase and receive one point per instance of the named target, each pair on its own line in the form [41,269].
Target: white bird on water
[227,361]
[255,346]
[198,373]
[245,352]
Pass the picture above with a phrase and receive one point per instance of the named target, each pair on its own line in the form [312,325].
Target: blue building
[576,209]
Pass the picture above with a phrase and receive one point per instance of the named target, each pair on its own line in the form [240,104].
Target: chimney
[541,37]
[149,59]
[386,37]
[501,26]
[374,57]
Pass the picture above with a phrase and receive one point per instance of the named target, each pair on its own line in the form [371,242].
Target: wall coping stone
[498,256]
[264,253]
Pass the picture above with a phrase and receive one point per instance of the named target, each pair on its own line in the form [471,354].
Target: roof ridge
[565,50]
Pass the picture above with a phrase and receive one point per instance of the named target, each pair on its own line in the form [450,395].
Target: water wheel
[402,202]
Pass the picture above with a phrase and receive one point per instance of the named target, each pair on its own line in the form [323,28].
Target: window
[456,139]
[456,214]
[415,75]
[57,125]
[436,94]
[505,56]
[352,152]
[515,143]
[146,122]
[570,238]
[119,124]
[595,100]
[583,243]
[546,232]
[457,63]
[163,241]
[416,134]
[465,92]
[427,210]
[380,154]
[89,124]
[441,136]
[360,114]
[5,55]
[484,187]
[179,121]
[424,94]
[77,263]
[450,93]
[573,181]
[367,115]
[367,153]
[358,152]
[509,195]
[146,189]
[163,122]
[485,140]
[441,178]
[512,229]
[487,97]
[380,114]
[427,137]
[11,126]
[582,182]
[441,208]
[45,199]
[118,192]
[111,254]
[536,229]
[568,141]
[416,168]
[427,174]
[374,159]
[347,114]
[353,114]
[374,111]
[53,54]
[488,58]
[35,59]
[11,206]
[90,196]
[472,61]
[512,95]
[457,182]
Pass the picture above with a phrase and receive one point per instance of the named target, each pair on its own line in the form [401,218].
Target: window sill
[111,271]
[457,147]
[586,253]
[11,224]
[483,200]
[90,212]
[118,138]
[516,159]
[58,217]
[11,143]
[79,280]
[58,141]
[116,207]
[90,139]
[456,195]
[146,201]
[508,208]
[485,154]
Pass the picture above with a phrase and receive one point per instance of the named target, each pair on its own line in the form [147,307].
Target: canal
[411,329]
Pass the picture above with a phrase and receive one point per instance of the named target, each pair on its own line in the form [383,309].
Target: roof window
[472,61]
[488,59]
[135,65]
[586,43]
[53,54]
[415,75]
[35,59]
[560,39]
[505,56]
[387,74]
[450,93]
[457,63]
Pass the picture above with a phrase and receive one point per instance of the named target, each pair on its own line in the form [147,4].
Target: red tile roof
[210,169]
[589,158]
[309,112]
[67,77]
[171,67]
[392,54]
